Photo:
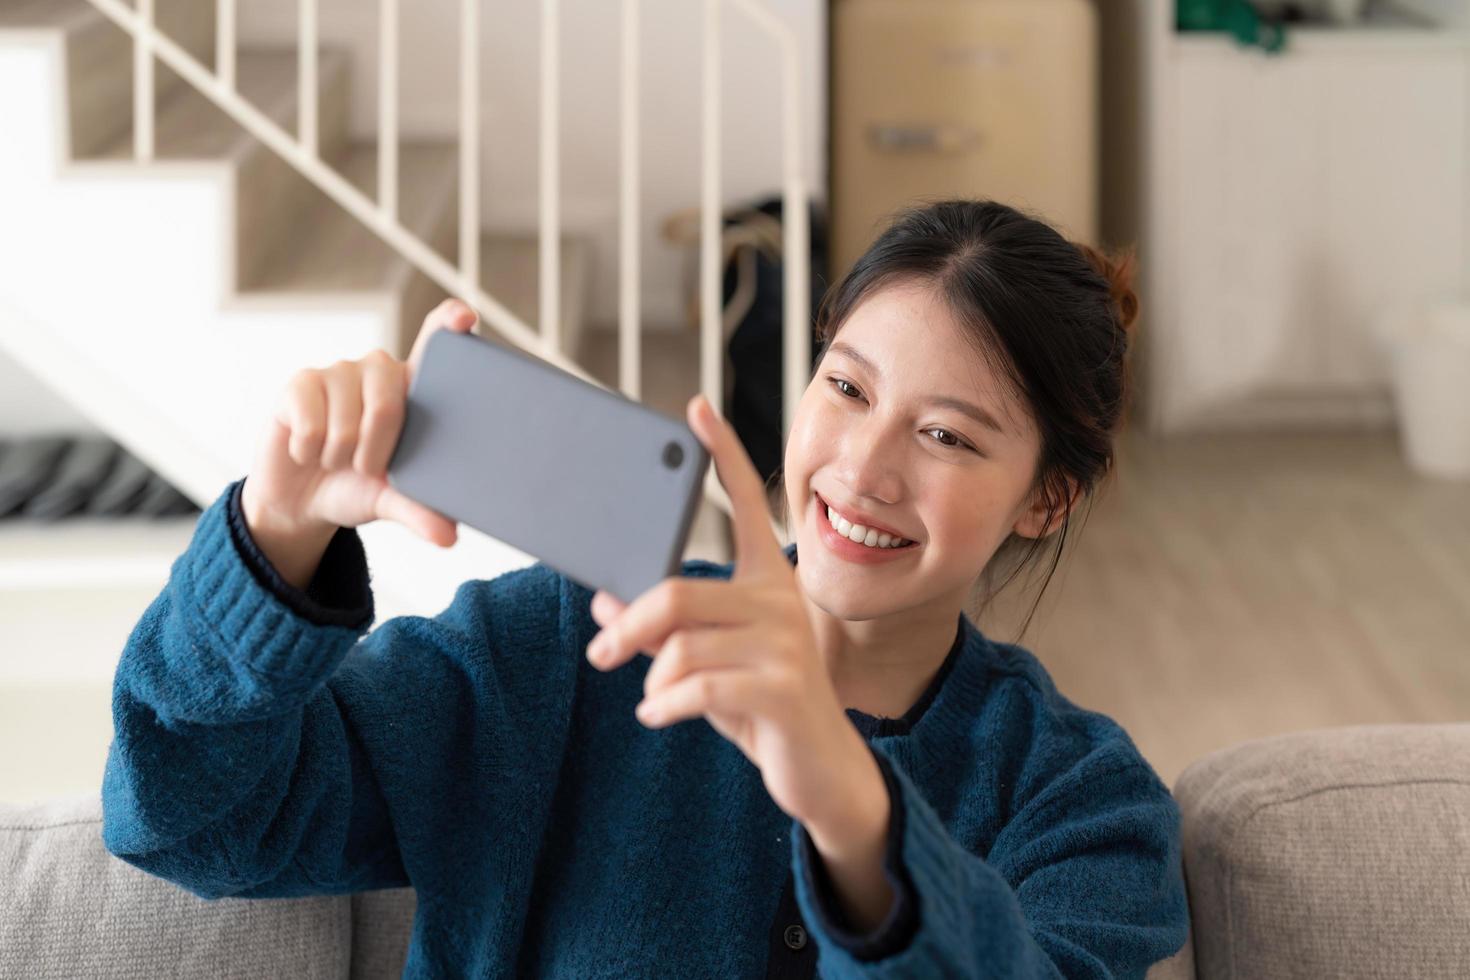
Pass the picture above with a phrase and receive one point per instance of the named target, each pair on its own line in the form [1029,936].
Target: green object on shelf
[1236,17]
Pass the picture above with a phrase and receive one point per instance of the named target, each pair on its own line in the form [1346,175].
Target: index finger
[674,603]
[756,545]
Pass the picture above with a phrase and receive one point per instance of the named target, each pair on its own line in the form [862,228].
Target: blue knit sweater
[268,745]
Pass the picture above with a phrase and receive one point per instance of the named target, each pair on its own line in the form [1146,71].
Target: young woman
[814,765]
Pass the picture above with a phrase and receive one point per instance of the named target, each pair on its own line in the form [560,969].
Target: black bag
[754,276]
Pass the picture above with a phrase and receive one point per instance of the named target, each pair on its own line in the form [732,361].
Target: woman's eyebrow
[975,412]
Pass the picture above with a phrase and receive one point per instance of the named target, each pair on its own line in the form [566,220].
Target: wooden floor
[1227,587]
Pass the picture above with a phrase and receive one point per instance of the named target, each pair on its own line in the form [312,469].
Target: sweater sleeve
[1085,881]
[897,927]
[253,735]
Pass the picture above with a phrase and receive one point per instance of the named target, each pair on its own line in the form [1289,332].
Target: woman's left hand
[741,653]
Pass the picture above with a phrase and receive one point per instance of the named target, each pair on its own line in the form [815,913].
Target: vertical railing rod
[629,296]
[469,142]
[550,237]
[224,37]
[307,78]
[711,339]
[388,109]
[711,236]
[796,249]
[143,84]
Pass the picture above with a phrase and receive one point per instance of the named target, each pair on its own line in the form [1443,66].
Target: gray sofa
[1335,853]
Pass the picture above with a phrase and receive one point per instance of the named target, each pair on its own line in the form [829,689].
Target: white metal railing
[630,294]
[469,160]
[224,43]
[307,87]
[387,108]
[144,39]
[550,182]
[711,220]
[302,151]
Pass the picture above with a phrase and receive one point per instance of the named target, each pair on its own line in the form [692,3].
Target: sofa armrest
[1336,852]
[71,909]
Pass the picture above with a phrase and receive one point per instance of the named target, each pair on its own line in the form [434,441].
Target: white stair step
[96,69]
[26,15]
[271,196]
[189,126]
[99,70]
[328,256]
[332,251]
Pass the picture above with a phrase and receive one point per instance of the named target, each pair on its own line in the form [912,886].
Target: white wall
[670,107]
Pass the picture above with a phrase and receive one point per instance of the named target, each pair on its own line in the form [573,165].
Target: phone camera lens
[673,455]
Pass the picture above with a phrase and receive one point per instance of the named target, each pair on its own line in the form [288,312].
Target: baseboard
[1370,409]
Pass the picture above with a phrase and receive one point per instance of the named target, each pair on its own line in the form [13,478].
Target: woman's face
[870,438]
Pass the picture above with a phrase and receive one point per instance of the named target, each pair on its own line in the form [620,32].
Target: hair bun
[1119,271]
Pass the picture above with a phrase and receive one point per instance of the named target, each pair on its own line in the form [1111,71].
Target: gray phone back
[596,485]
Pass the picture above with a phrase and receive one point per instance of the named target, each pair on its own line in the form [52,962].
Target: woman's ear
[1032,522]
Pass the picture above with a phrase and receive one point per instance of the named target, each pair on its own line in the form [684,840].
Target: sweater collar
[942,701]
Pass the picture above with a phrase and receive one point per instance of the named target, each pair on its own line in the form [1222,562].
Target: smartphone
[599,487]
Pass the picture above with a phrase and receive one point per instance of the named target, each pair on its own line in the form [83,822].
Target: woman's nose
[872,463]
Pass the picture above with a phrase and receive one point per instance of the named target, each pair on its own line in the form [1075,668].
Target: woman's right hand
[322,462]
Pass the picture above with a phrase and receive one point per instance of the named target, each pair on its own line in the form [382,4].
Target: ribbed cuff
[966,910]
[339,594]
[244,617]
[897,929]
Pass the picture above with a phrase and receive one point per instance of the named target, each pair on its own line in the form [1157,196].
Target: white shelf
[89,552]
[1310,39]
[53,739]
[72,590]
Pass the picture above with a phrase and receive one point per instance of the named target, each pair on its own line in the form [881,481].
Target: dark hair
[1050,316]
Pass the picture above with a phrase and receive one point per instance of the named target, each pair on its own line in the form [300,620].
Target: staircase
[185,370]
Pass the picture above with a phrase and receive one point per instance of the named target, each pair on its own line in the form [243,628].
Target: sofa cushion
[1180,966]
[382,925]
[1335,853]
[72,909]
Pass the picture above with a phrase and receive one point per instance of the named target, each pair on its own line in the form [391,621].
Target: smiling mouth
[822,506]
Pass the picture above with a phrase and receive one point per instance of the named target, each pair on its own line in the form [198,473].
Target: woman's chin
[849,599]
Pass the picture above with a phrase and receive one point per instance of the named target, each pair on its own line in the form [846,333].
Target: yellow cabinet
[962,98]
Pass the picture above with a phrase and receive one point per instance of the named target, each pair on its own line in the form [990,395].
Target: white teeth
[863,535]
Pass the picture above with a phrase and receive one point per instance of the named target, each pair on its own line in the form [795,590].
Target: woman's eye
[957,442]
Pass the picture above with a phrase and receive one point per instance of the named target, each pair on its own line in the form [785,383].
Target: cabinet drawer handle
[934,139]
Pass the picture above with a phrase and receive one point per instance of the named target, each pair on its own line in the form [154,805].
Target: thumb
[426,522]
[606,607]
[452,314]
